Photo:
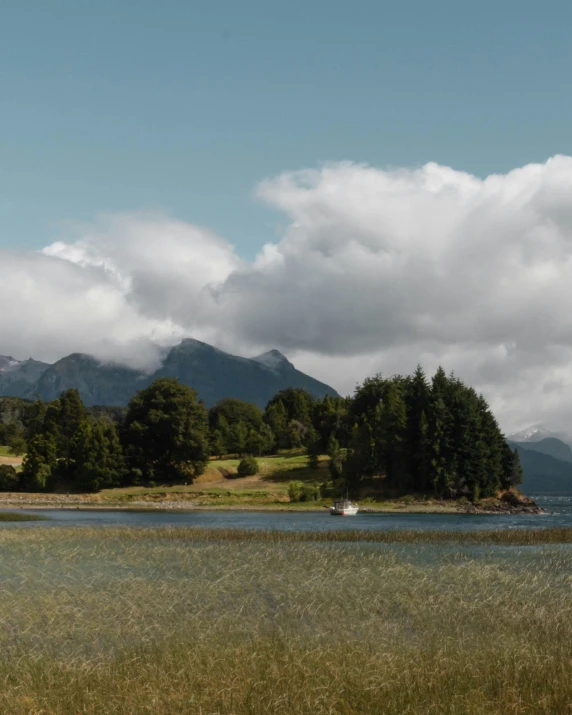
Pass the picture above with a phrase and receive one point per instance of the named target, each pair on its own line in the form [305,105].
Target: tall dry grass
[192,621]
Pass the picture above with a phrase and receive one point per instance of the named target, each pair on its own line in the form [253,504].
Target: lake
[559,514]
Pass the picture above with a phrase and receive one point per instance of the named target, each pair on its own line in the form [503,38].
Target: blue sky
[185,105]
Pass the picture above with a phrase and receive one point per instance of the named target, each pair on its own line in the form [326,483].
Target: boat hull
[351,511]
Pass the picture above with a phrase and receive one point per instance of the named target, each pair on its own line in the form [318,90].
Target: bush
[310,492]
[9,479]
[295,491]
[248,467]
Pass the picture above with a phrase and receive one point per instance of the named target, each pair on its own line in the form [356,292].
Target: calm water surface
[559,508]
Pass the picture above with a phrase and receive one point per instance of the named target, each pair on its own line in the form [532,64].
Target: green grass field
[177,621]
[219,485]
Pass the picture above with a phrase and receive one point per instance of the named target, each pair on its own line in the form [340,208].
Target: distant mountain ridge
[18,377]
[551,446]
[536,433]
[213,373]
[543,475]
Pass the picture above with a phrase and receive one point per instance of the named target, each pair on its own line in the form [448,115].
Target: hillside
[543,475]
[18,377]
[213,373]
[552,446]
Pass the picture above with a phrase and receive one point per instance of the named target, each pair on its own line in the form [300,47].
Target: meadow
[179,620]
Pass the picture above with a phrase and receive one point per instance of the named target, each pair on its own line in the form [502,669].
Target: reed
[225,621]
[15,516]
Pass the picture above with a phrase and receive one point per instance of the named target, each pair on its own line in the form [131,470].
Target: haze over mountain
[214,373]
[543,474]
[536,433]
[551,446]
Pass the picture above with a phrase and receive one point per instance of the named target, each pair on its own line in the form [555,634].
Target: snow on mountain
[535,433]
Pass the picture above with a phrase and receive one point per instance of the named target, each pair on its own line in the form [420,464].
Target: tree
[218,444]
[276,418]
[165,434]
[9,479]
[39,465]
[97,456]
[233,411]
[17,446]
[336,463]
[297,402]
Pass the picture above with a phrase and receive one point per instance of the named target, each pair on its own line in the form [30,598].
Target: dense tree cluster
[438,436]
[396,435]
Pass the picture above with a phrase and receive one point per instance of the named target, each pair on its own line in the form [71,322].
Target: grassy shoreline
[41,503]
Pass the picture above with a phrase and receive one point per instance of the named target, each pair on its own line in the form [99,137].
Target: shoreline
[187,506]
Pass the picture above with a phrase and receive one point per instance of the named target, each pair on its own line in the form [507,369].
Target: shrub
[248,467]
[9,479]
[310,492]
[408,499]
[295,491]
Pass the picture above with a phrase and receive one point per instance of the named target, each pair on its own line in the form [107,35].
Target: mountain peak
[536,433]
[7,362]
[274,360]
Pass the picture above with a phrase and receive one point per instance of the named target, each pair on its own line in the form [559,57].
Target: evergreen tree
[39,464]
[276,418]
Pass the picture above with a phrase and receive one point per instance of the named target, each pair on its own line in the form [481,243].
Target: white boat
[344,507]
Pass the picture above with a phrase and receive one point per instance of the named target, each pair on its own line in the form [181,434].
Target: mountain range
[546,459]
[213,373]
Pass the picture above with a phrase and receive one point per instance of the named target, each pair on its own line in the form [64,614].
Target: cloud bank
[376,271]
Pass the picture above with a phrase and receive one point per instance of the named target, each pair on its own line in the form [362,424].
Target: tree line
[395,435]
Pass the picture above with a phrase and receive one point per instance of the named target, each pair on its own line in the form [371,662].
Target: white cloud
[378,270]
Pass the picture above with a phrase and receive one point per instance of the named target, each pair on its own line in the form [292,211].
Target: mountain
[536,433]
[543,475]
[213,373]
[18,377]
[97,383]
[549,445]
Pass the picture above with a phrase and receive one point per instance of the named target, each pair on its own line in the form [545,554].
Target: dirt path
[13,461]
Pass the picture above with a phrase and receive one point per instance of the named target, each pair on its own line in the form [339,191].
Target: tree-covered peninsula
[394,436]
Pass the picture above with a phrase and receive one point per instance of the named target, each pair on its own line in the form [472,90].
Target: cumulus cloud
[377,270]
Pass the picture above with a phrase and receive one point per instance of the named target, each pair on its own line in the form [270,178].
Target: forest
[397,435]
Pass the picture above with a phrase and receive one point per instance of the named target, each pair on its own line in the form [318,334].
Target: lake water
[559,514]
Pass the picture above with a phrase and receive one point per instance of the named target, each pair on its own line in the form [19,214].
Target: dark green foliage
[290,415]
[336,463]
[248,467]
[9,478]
[39,468]
[409,435]
[97,456]
[17,446]
[236,428]
[276,418]
[300,492]
[111,413]
[234,411]
[165,433]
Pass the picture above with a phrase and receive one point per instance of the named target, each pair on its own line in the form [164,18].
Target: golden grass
[177,621]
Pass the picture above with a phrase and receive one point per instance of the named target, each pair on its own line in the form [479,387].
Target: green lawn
[269,486]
